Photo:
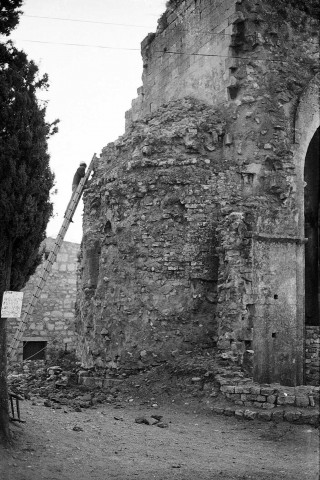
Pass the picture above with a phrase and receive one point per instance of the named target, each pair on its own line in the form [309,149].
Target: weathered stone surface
[194,220]
[157,246]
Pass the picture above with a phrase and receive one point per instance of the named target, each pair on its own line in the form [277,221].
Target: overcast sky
[90,87]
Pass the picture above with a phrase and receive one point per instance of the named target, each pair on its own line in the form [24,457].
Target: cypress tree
[25,177]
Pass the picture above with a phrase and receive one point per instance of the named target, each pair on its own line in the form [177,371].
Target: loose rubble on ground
[55,386]
[64,383]
[195,382]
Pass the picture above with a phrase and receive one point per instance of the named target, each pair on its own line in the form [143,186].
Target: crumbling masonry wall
[150,265]
[192,226]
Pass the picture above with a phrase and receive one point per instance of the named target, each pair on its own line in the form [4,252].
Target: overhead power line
[164,52]
[122,24]
[80,45]
[87,21]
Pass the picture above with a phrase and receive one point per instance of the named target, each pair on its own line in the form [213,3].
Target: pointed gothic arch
[307,121]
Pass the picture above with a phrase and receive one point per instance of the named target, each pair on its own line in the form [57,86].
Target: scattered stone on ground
[199,380]
[197,445]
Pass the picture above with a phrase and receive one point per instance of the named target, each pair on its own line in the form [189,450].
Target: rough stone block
[99,382]
[265,415]
[218,410]
[302,390]
[238,389]
[261,398]
[227,389]
[242,389]
[309,418]
[267,391]
[239,413]
[255,390]
[229,411]
[302,401]
[284,399]
[292,415]
[290,400]
[250,414]
[88,381]
[277,415]
[311,401]
[252,398]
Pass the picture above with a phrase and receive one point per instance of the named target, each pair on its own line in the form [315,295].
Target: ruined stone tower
[201,221]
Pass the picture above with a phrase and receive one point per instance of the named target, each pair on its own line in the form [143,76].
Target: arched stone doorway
[311,217]
[306,154]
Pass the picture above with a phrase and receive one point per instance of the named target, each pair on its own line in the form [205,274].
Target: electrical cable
[87,21]
[80,45]
[155,51]
[120,24]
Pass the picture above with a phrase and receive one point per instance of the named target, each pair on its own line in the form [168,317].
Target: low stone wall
[271,396]
[293,415]
[251,401]
[312,355]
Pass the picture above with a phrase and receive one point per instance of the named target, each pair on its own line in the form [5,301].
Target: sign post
[11,304]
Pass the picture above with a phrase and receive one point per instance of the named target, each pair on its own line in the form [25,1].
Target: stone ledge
[293,415]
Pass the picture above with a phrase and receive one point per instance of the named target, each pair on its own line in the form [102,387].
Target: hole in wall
[233,92]
[107,227]
[275,297]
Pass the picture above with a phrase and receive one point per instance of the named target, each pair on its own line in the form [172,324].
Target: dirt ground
[105,443]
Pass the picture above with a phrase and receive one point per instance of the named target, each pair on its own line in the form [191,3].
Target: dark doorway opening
[34,350]
[311,213]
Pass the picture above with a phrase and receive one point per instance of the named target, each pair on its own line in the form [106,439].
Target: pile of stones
[35,380]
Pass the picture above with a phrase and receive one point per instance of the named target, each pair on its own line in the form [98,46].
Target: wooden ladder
[47,265]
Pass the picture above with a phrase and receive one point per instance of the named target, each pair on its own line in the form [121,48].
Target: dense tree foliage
[9,15]
[25,176]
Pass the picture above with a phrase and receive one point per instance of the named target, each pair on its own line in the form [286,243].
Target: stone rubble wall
[149,265]
[191,230]
[53,317]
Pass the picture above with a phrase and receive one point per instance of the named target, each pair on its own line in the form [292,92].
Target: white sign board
[11,304]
